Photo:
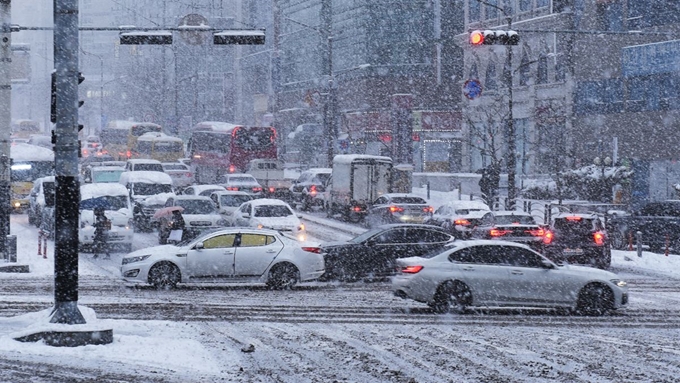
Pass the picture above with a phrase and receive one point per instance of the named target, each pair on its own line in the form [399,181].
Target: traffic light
[239,37]
[81,78]
[146,38]
[80,144]
[489,37]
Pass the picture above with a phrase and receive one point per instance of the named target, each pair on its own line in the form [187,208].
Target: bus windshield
[254,138]
[138,130]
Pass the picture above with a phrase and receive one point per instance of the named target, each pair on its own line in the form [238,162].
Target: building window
[524,5]
[542,3]
[542,70]
[610,16]
[491,83]
[524,69]
[474,11]
[491,11]
[560,73]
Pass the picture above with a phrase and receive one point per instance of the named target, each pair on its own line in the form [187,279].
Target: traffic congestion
[236,214]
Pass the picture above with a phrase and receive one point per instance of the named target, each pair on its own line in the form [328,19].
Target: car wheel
[283,276]
[619,240]
[595,299]
[164,275]
[451,297]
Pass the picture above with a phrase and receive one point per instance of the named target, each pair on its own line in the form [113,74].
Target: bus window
[254,139]
[210,142]
[144,147]
[138,130]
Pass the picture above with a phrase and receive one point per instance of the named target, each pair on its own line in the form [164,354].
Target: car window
[380,201]
[234,200]
[245,208]
[441,210]
[220,241]
[253,240]
[410,200]
[188,191]
[428,236]
[483,254]
[520,257]
[273,211]
[208,192]
[393,236]
[487,219]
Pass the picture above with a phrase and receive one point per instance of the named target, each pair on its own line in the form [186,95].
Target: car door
[254,254]
[482,268]
[215,261]
[532,283]
[425,241]
[384,248]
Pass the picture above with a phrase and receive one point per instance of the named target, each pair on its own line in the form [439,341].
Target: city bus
[159,146]
[218,148]
[28,163]
[119,138]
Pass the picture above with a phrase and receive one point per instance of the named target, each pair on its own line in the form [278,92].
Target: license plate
[569,251]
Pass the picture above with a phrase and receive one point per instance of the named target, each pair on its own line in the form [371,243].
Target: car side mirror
[547,264]
[246,215]
[299,215]
[199,246]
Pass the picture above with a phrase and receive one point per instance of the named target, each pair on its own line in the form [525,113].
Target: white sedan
[504,274]
[226,255]
[269,214]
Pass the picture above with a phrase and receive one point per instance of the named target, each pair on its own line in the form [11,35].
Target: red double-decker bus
[217,148]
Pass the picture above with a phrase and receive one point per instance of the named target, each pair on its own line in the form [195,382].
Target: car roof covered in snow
[28,152]
[268,201]
[198,189]
[192,197]
[98,190]
[143,161]
[148,177]
[349,158]
[467,205]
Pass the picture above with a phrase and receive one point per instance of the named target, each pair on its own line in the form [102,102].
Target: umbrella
[95,203]
[167,211]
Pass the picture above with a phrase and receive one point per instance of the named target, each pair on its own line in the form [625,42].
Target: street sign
[472,89]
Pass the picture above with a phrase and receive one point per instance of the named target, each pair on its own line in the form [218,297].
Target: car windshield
[573,226]
[409,200]
[192,206]
[107,202]
[273,211]
[151,189]
[241,180]
[321,178]
[515,219]
[175,167]
[234,200]
[363,237]
[104,176]
[466,211]
[149,167]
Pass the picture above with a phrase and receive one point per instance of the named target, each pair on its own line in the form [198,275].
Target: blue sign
[648,59]
[472,89]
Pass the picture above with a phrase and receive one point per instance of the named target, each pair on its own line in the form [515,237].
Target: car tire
[451,297]
[283,276]
[595,299]
[619,241]
[164,275]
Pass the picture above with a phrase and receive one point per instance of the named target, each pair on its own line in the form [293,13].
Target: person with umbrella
[102,225]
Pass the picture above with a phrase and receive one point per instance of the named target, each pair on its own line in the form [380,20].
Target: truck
[659,223]
[356,181]
[270,174]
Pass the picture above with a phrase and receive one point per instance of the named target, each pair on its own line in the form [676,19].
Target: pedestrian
[102,225]
[177,224]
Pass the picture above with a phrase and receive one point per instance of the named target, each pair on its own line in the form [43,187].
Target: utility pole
[510,158]
[5,121]
[275,75]
[66,164]
[327,65]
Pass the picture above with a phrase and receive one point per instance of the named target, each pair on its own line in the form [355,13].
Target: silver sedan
[504,274]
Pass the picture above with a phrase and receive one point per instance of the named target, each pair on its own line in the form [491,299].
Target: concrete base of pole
[14,268]
[66,327]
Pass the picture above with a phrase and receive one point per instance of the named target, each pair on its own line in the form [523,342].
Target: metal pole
[327,63]
[66,164]
[510,155]
[101,96]
[5,122]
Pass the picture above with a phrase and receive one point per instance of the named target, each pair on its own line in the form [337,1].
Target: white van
[148,192]
[115,200]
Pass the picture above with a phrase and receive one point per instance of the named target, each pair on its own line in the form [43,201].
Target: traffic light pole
[67,193]
[5,122]
[510,158]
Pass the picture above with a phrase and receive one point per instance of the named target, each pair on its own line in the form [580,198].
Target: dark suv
[578,238]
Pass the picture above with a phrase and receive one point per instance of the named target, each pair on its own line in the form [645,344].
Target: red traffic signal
[490,37]
[476,38]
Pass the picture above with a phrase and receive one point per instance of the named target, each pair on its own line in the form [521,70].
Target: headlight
[619,282]
[301,227]
[130,222]
[135,259]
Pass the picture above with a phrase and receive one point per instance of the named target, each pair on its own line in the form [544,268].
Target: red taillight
[411,269]
[574,218]
[257,189]
[396,209]
[499,233]
[315,250]
[312,190]
[599,238]
[537,233]
[356,208]
[128,154]
[232,188]
[232,168]
[271,190]
[463,222]
[548,237]
[428,209]
[189,174]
